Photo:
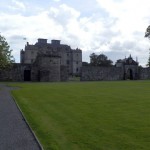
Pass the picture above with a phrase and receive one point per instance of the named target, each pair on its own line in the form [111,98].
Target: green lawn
[88,115]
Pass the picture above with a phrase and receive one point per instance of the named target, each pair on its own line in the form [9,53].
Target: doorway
[130,74]
[27,75]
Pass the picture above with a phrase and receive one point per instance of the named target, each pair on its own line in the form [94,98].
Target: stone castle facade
[45,62]
[70,58]
[55,62]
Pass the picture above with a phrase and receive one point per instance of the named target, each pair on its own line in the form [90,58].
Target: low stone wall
[52,74]
[88,73]
[6,75]
[91,73]
[144,73]
[15,73]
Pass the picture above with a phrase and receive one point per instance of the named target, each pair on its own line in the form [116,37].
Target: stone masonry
[72,58]
[48,65]
[126,69]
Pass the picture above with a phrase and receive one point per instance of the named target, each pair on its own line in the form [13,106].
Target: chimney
[42,41]
[55,42]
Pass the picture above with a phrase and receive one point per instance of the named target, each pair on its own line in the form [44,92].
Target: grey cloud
[114,56]
[123,46]
[16,37]
[129,45]
[62,14]
[5,26]
[138,33]
[55,22]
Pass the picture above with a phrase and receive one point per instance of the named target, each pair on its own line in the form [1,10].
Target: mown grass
[88,115]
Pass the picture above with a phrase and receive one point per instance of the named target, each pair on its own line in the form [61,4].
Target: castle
[68,57]
[45,62]
[54,62]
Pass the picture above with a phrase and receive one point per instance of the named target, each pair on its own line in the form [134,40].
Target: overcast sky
[113,27]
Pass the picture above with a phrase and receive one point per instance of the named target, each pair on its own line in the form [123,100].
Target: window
[77,69]
[68,62]
[77,62]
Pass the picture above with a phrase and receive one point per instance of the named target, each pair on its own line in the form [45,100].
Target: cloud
[132,19]
[112,29]
[131,15]
[56,0]
[63,14]
[89,33]
[17,5]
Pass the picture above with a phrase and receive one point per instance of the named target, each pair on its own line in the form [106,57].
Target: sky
[115,28]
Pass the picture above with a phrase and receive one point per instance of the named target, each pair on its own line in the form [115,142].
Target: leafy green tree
[147,33]
[85,64]
[93,59]
[148,63]
[6,59]
[100,60]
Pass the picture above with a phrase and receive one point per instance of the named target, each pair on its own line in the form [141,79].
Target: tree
[148,63]
[93,59]
[5,54]
[147,33]
[85,64]
[100,60]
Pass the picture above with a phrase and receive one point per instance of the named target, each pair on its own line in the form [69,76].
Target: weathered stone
[123,70]
[90,73]
[72,58]
[48,66]
[45,62]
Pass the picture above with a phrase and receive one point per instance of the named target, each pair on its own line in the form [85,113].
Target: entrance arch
[27,75]
[130,74]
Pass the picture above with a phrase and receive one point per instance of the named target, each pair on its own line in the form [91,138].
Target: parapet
[42,41]
[55,42]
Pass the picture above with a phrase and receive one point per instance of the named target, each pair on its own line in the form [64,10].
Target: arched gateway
[130,68]
[129,74]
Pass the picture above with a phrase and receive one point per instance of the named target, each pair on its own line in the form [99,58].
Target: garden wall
[91,73]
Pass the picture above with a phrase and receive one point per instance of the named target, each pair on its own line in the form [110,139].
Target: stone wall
[36,72]
[49,69]
[144,73]
[68,57]
[131,72]
[46,68]
[76,62]
[91,73]
[6,75]
[15,73]
[64,73]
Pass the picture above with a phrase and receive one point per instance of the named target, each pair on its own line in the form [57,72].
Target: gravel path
[14,132]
